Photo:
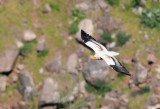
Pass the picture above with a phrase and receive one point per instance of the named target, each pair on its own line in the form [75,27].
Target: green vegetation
[113,2]
[136,3]
[54,6]
[106,37]
[122,38]
[99,87]
[73,28]
[27,48]
[144,89]
[120,75]
[77,15]
[43,53]
[151,18]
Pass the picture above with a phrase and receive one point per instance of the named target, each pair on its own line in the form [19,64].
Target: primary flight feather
[102,53]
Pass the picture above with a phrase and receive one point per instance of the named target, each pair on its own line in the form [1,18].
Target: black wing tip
[121,69]
[86,37]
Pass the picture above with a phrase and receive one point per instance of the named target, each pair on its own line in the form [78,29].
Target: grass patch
[73,28]
[54,6]
[144,89]
[122,38]
[27,48]
[43,53]
[113,2]
[77,15]
[106,37]
[99,87]
[136,3]
[151,18]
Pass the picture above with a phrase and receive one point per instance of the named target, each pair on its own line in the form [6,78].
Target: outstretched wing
[116,65]
[97,47]
[91,42]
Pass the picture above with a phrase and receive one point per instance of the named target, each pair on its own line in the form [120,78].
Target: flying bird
[102,53]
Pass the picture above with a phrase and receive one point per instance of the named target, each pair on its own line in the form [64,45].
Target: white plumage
[102,53]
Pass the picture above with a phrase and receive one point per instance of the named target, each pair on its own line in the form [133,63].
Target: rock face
[54,66]
[41,45]
[7,60]
[103,5]
[3,83]
[151,58]
[96,70]
[107,22]
[72,63]
[28,35]
[27,87]
[140,74]
[83,6]
[49,94]
[87,26]
[114,100]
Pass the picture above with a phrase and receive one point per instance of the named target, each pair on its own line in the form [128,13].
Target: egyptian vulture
[102,53]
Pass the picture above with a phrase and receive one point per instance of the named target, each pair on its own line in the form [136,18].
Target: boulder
[96,70]
[114,100]
[3,83]
[49,94]
[87,26]
[54,65]
[48,7]
[152,100]
[41,45]
[19,43]
[72,63]
[28,35]
[103,5]
[20,105]
[151,58]
[83,6]
[27,87]
[7,60]
[140,74]
[107,22]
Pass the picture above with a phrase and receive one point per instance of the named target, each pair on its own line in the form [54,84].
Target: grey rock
[27,87]
[47,7]
[115,100]
[140,74]
[103,5]
[54,66]
[156,1]
[7,60]
[3,83]
[96,70]
[72,63]
[87,26]
[20,105]
[28,35]
[152,100]
[41,45]
[111,45]
[107,22]
[19,43]
[83,6]
[49,94]
[151,58]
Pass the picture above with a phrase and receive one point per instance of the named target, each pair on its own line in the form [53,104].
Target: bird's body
[102,53]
